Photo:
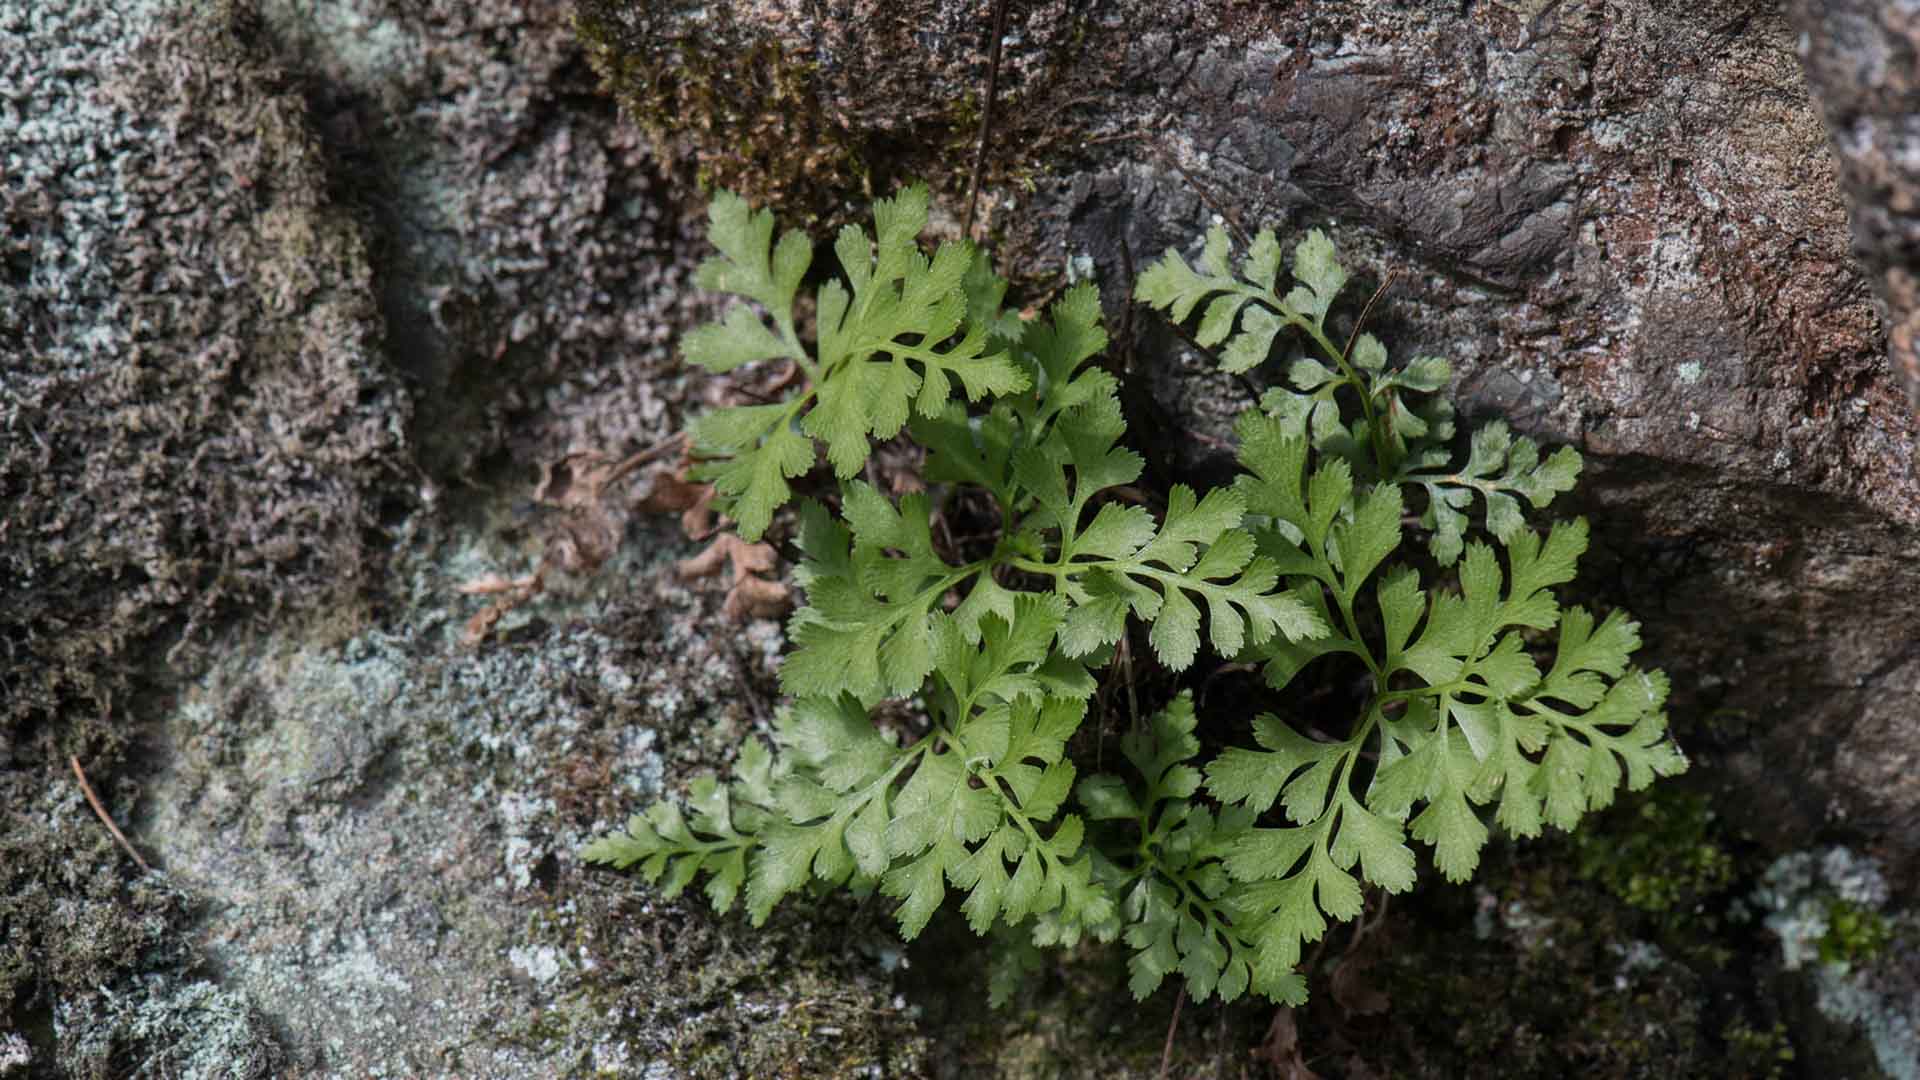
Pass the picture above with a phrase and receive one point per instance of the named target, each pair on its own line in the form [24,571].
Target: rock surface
[1863,63]
[295,299]
[1620,222]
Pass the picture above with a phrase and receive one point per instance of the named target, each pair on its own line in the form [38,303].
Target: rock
[199,419]
[384,833]
[1863,63]
[295,301]
[1620,222]
[234,237]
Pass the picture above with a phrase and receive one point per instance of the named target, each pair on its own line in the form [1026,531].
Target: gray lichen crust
[197,423]
[196,411]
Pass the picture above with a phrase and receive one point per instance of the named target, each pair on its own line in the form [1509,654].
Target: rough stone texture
[530,270]
[194,410]
[384,834]
[232,236]
[1615,219]
[1619,221]
[195,426]
[1863,61]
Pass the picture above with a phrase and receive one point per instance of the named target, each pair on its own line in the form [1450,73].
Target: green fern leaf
[1121,563]
[1217,875]
[897,338]
[1502,470]
[1172,284]
[1178,903]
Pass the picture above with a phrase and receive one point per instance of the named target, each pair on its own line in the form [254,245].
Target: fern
[1184,912]
[1484,695]
[893,338]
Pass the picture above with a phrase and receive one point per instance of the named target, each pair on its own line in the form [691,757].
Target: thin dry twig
[1347,353]
[986,115]
[101,812]
[1166,1052]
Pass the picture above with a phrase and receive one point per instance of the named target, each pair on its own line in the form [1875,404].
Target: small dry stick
[986,116]
[1347,353]
[1166,1052]
[94,801]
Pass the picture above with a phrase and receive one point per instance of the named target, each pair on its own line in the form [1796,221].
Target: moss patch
[819,118]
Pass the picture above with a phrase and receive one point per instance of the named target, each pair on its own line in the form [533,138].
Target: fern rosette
[1481,689]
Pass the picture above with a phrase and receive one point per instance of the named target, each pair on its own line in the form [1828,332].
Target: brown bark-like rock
[1863,62]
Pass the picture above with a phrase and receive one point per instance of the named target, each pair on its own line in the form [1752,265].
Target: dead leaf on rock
[1281,1049]
[670,491]
[749,595]
[757,598]
[586,531]
[489,584]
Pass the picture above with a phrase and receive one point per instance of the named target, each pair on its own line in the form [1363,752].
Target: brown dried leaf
[757,598]
[670,491]
[698,523]
[488,584]
[753,559]
[511,595]
[748,595]
[580,480]
[576,480]
[481,624]
[586,532]
[709,561]
[1281,1049]
[584,541]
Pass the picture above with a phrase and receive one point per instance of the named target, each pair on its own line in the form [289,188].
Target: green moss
[1754,1053]
[73,915]
[92,947]
[1613,951]
[739,110]
[1662,853]
[818,120]
[1855,934]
